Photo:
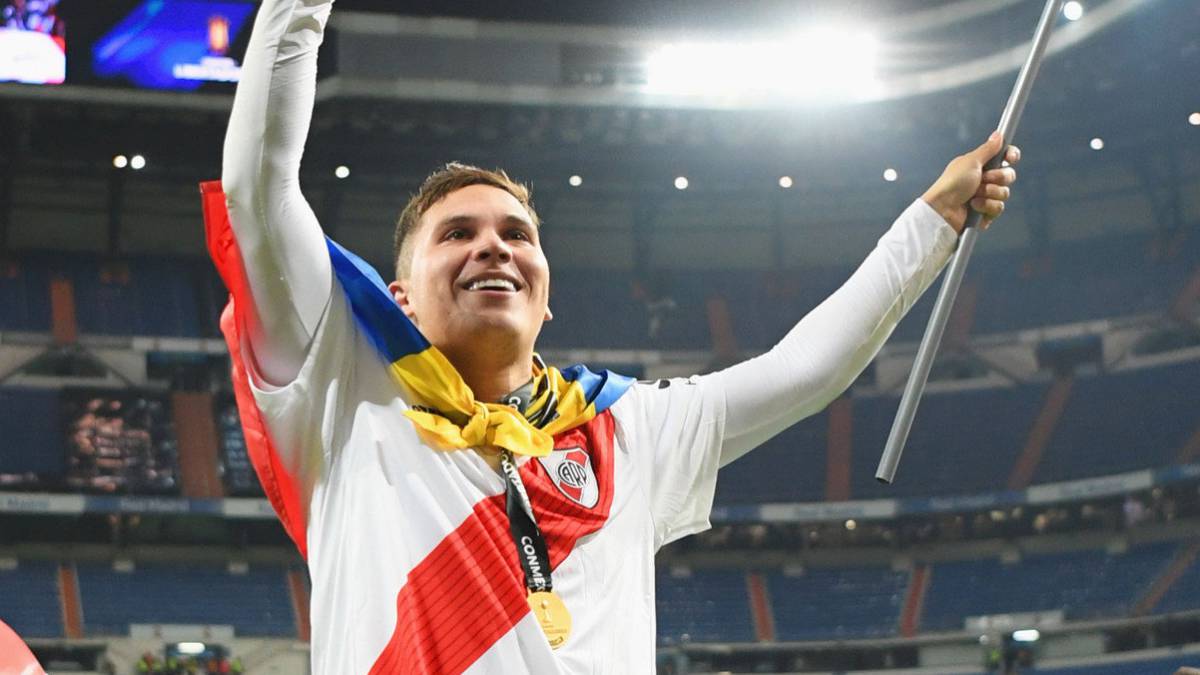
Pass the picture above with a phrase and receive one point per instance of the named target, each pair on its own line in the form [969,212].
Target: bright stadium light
[137,162]
[785,182]
[890,175]
[1194,119]
[1073,10]
[190,648]
[342,171]
[681,182]
[1026,635]
[1096,143]
[820,63]
[120,161]
[575,181]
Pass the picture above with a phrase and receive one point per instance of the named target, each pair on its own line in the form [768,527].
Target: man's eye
[456,234]
[519,234]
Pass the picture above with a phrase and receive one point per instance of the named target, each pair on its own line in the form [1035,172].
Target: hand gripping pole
[958,265]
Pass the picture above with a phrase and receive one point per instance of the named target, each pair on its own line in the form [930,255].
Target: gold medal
[553,616]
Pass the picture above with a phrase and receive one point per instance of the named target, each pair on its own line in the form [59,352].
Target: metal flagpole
[954,275]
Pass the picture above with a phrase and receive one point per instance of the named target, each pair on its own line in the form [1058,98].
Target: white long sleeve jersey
[409,551]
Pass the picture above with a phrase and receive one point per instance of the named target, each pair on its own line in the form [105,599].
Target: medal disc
[552,615]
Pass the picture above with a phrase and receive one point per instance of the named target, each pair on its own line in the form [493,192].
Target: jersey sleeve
[672,430]
[287,267]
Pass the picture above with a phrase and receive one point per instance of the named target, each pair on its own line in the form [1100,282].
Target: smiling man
[463,506]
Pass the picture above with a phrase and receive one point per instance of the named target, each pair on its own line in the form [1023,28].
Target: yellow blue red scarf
[446,414]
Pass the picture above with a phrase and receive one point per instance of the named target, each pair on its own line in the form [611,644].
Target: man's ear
[399,290]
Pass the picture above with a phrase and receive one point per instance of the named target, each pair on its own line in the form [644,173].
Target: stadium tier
[703,606]
[255,603]
[1084,584]
[29,599]
[854,602]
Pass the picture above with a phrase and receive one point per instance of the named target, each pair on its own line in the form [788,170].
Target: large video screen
[173,44]
[33,42]
[119,442]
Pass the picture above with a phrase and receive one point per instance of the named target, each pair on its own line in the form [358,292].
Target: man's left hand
[965,182]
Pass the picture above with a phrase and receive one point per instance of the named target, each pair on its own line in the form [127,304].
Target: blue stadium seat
[1085,584]
[707,606]
[25,296]
[29,599]
[1122,422]
[837,603]
[788,468]
[255,604]
[962,442]
[151,296]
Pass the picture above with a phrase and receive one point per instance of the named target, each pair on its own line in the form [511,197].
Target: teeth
[501,284]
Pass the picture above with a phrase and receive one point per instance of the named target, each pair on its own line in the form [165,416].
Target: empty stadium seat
[1085,584]
[29,599]
[704,606]
[837,603]
[255,604]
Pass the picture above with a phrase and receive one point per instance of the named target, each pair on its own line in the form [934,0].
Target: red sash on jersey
[470,590]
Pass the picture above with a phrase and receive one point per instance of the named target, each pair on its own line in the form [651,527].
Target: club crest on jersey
[571,471]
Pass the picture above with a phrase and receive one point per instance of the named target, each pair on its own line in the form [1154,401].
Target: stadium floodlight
[120,162]
[575,180]
[190,648]
[342,171]
[785,182]
[1194,119]
[890,175]
[1096,143]
[1073,10]
[1026,635]
[137,162]
[819,63]
[681,182]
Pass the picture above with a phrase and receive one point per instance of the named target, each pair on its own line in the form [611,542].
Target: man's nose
[493,245]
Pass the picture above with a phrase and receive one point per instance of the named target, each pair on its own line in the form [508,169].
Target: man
[463,507]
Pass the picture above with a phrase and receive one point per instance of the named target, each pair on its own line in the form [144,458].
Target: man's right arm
[280,240]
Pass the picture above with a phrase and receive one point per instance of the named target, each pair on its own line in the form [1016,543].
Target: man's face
[478,277]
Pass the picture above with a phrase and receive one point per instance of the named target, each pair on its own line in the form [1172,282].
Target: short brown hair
[453,176]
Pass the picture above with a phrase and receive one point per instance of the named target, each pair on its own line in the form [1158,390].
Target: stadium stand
[703,606]
[1084,584]
[25,297]
[255,603]
[29,599]
[837,603]
[139,296]
[1123,421]
[944,456]
[788,468]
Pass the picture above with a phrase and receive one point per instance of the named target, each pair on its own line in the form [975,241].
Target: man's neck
[489,377]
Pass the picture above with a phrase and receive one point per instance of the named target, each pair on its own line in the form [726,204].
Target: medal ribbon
[531,545]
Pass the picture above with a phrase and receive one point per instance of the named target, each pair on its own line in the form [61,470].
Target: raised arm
[826,351]
[279,237]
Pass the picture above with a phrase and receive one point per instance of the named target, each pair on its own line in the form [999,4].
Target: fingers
[993,191]
[989,148]
[1013,155]
[1005,176]
[990,208]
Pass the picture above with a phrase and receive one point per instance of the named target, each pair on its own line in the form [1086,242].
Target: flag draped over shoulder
[442,407]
